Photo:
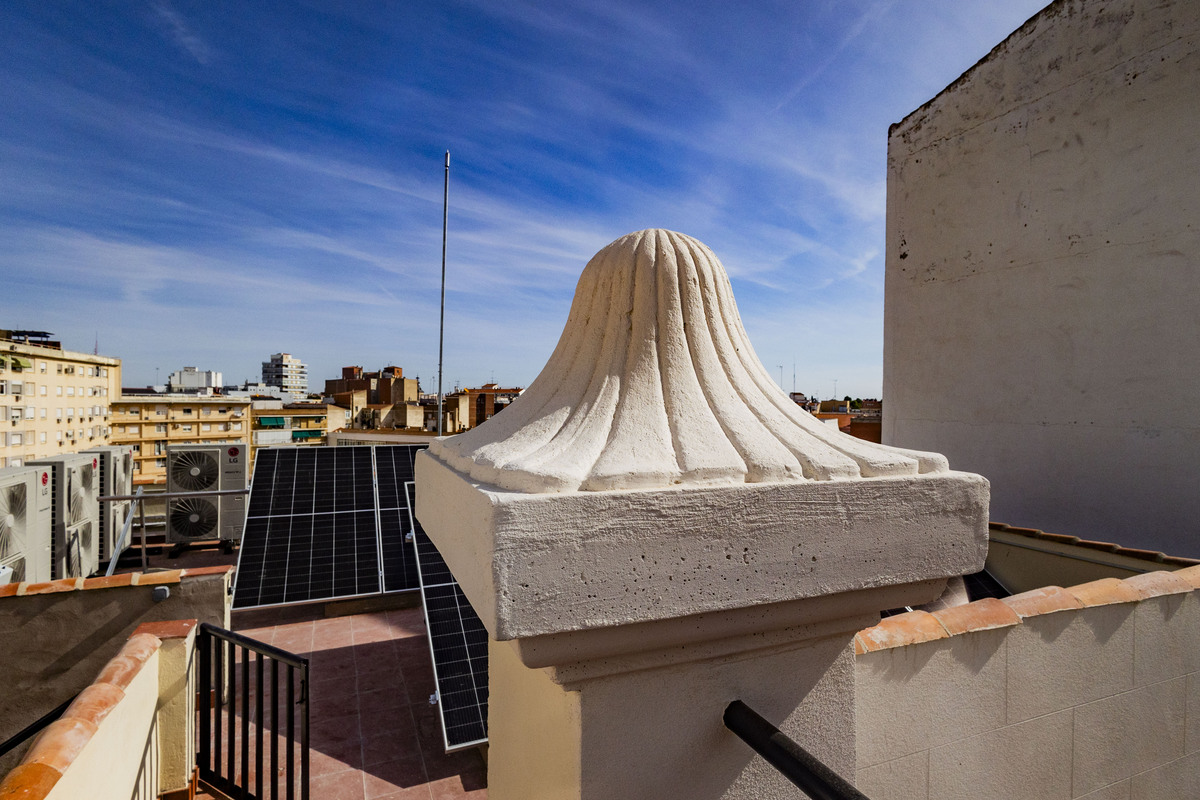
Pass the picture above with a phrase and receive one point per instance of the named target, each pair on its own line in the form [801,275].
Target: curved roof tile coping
[915,627]
[1046,600]
[982,615]
[60,744]
[912,627]
[109,582]
[1156,584]
[653,384]
[1104,592]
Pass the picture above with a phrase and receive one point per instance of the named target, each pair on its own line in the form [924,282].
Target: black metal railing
[244,717]
[799,766]
[34,728]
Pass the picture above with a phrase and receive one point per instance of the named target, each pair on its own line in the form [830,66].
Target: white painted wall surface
[1042,323]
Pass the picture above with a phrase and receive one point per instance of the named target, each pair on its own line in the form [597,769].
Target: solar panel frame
[458,645]
[330,499]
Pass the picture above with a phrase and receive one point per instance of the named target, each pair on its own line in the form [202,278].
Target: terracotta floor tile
[391,745]
[391,776]
[342,786]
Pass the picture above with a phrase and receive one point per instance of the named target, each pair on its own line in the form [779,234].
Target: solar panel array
[458,643]
[320,526]
[329,523]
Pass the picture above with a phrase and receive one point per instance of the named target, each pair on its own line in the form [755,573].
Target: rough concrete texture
[654,383]
[534,564]
[1041,273]
[58,642]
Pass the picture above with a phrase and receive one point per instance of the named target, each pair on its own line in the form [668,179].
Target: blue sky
[207,183]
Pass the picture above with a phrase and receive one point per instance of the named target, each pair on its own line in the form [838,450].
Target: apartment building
[149,422]
[287,373]
[52,400]
[274,423]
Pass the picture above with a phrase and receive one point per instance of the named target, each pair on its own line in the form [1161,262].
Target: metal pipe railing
[796,764]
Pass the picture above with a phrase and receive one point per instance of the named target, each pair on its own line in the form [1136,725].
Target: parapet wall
[1090,691]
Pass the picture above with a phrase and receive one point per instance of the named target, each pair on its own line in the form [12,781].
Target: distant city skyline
[207,184]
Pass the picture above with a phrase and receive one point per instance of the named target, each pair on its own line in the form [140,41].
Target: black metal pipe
[36,727]
[796,764]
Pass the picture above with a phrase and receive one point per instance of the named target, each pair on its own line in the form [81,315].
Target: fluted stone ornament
[654,383]
[653,529]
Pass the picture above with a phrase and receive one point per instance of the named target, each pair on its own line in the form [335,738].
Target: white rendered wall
[1097,703]
[1042,323]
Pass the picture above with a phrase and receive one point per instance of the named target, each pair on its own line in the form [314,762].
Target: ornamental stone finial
[653,384]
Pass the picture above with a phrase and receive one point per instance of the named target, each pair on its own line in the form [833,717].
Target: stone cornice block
[535,564]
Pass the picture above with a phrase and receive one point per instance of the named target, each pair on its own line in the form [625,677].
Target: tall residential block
[286,372]
[150,422]
[52,400]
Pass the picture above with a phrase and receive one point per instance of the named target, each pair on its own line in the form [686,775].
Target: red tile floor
[373,734]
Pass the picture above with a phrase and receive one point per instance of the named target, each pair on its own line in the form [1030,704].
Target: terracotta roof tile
[151,578]
[194,572]
[981,615]
[108,581]
[95,702]
[29,781]
[168,629]
[1191,575]
[1156,584]
[1104,591]
[121,670]
[64,585]
[60,743]
[912,627]
[1046,600]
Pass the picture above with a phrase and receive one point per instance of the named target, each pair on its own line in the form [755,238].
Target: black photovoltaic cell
[458,643]
[319,526]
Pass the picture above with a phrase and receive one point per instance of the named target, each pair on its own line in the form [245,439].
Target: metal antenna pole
[442,316]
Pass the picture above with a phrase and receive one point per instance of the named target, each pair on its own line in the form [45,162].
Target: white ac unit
[75,489]
[116,480]
[26,523]
[206,468]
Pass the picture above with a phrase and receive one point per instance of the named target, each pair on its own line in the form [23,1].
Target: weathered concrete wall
[57,639]
[1042,320]
[1101,701]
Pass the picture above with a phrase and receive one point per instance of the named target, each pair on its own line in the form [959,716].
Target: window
[237,426]
[41,438]
[91,372]
[160,448]
[137,448]
[59,368]
[42,390]
[58,414]
[14,438]
[187,411]
[58,436]
[104,372]
[160,411]
[160,462]
[15,462]
[16,387]
[16,413]
[42,412]
[205,426]
[186,428]
[3,387]
[134,429]
[42,367]
[58,391]
[70,391]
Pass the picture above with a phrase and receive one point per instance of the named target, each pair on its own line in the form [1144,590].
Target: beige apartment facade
[52,400]
[151,422]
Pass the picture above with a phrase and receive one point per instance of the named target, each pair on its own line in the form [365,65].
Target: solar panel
[321,526]
[458,643]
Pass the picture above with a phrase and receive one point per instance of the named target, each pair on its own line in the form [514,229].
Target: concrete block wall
[1087,692]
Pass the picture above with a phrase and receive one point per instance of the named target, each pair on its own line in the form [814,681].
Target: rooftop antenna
[96,349]
[835,388]
[793,376]
[442,316]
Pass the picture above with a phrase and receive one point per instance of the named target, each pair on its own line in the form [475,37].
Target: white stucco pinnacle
[654,383]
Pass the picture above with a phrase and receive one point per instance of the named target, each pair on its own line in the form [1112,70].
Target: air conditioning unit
[116,479]
[25,523]
[206,468]
[75,489]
